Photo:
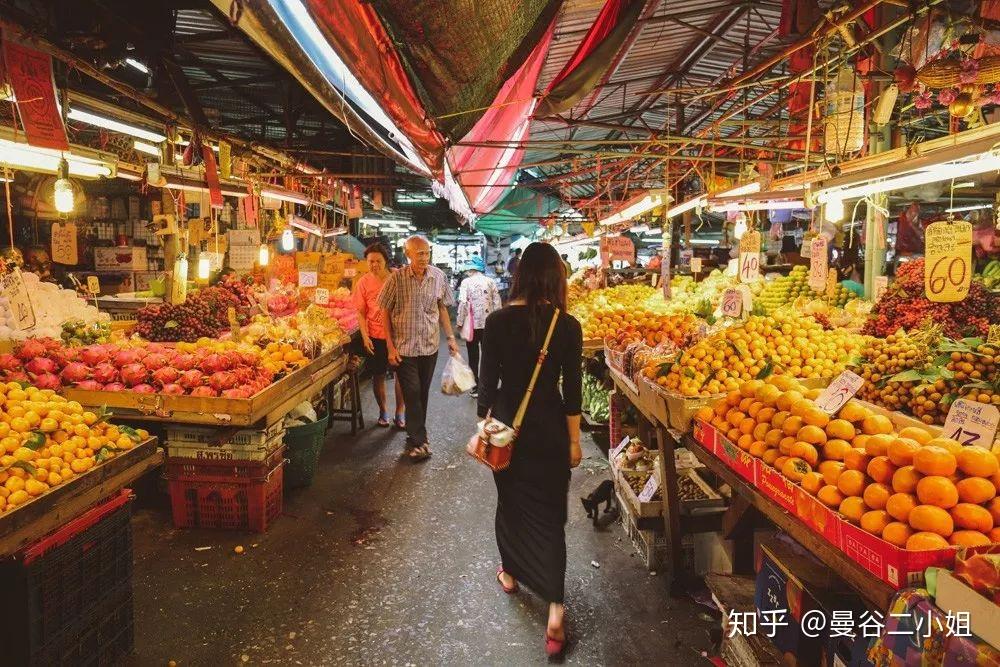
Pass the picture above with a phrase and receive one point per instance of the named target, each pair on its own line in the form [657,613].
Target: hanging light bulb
[63,189]
[203,268]
[263,255]
[833,209]
[287,240]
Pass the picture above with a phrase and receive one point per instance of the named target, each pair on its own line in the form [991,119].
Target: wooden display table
[870,588]
[25,525]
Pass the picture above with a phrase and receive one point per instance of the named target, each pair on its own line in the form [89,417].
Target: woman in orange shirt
[373,331]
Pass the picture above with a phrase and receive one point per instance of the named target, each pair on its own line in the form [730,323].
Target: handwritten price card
[307,278]
[322,296]
[13,289]
[648,491]
[879,286]
[841,390]
[819,263]
[696,265]
[732,302]
[64,243]
[749,267]
[947,260]
[971,423]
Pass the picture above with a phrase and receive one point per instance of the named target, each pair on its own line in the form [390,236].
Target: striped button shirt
[412,303]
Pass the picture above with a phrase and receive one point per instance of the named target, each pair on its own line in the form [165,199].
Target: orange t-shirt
[366,301]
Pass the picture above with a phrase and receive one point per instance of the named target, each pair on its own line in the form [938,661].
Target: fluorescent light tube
[757,206]
[132,62]
[746,189]
[281,194]
[22,156]
[114,125]
[705,241]
[971,207]
[148,149]
[686,206]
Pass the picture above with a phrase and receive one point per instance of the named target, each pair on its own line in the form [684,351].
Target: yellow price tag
[947,261]
[749,265]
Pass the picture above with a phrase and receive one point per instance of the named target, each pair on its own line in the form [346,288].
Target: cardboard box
[121,259]
[142,279]
[953,595]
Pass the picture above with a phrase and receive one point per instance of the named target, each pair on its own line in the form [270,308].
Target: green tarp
[521,211]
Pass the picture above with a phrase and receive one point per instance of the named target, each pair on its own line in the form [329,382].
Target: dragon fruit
[203,391]
[9,363]
[40,365]
[166,375]
[172,389]
[126,357]
[31,349]
[144,389]
[236,392]
[114,386]
[47,381]
[64,355]
[134,374]
[191,379]
[75,372]
[90,385]
[184,362]
[105,373]
[222,380]
[214,363]
[92,355]
[154,361]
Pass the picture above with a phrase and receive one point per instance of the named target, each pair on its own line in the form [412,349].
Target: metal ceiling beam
[236,83]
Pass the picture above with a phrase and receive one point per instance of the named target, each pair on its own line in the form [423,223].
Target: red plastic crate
[221,471]
[240,503]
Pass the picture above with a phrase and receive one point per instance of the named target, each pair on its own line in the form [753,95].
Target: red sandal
[554,647]
[512,589]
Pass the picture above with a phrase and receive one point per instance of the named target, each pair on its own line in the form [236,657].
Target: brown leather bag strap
[519,417]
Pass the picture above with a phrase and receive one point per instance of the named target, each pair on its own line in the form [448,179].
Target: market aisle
[384,562]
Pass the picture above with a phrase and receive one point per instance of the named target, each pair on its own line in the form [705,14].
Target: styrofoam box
[203,436]
[225,452]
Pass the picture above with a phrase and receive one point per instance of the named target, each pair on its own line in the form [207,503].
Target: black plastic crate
[69,595]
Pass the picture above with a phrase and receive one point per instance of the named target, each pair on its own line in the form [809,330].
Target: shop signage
[732,302]
[64,250]
[841,390]
[749,266]
[13,289]
[30,74]
[648,491]
[322,296]
[971,423]
[696,265]
[614,248]
[818,263]
[94,285]
[308,278]
[947,260]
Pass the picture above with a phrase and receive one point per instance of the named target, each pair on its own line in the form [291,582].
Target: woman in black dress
[532,492]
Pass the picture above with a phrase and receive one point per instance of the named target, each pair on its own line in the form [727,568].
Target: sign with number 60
[947,261]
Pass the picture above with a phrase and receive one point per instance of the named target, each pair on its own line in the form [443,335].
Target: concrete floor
[386,562]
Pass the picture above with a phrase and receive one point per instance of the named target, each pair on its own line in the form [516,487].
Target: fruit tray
[266,407]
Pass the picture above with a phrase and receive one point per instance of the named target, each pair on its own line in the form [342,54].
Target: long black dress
[532,492]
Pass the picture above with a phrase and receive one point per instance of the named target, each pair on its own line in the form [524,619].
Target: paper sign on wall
[841,390]
[29,72]
[614,248]
[13,289]
[947,260]
[64,250]
[971,423]
[818,263]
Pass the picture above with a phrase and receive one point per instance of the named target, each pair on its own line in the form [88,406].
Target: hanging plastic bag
[469,326]
[457,377]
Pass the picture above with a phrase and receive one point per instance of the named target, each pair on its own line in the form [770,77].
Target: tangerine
[806,452]
[975,490]
[757,448]
[931,518]
[836,449]
[972,517]
[785,401]
[791,425]
[876,495]
[812,482]
[968,538]
[852,482]
[831,471]
[841,428]
[933,460]
[853,411]
[897,533]
[977,462]
[916,433]
[874,424]
[853,508]
[770,456]
[881,469]
[994,509]
[926,541]
[856,460]
[953,446]
[875,521]
[899,506]
[878,444]
[814,435]
[816,417]
[786,443]
[938,491]
[905,480]
[901,451]
[830,496]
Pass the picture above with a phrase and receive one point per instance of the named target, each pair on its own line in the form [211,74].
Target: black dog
[604,493]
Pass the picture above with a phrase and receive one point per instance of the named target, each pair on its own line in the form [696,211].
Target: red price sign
[841,390]
[947,260]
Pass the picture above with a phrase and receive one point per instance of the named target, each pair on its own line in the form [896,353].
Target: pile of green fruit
[77,333]
[785,289]
[595,399]
[991,274]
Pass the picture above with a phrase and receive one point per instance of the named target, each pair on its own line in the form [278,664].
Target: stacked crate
[225,478]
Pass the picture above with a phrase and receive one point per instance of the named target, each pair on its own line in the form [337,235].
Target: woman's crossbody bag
[493,443]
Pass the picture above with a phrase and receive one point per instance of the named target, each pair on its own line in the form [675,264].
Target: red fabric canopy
[485,173]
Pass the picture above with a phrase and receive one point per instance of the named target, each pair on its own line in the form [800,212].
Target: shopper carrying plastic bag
[457,377]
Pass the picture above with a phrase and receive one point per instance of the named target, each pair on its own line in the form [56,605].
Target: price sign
[64,249]
[947,260]
[831,283]
[308,278]
[614,248]
[732,302]
[350,273]
[819,264]
[879,286]
[653,279]
[93,285]
[841,390]
[322,296]
[648,491]
[696,265]
[749,266]
[971,423]
[13,289]
[613,453]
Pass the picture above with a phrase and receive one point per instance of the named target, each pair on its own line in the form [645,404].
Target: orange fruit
[856,460]
[994,508]
[814,435]
[841,429]
[876,496]
[972,517]
[733,398]
[767,394]
[770,456]
[795,469]
[778,420]
[830,496]
[704,414]
[977,462]
[749,389]
[853,508]
[996,481]
[931,460]
[853,411]
[953,446]
[813,482]
[816,417]
[780,462]
[873,424]
[860,441]
[747,425]
[785,401]
[916,433]
[852,482]
[875,521]
[733,434]
[757,448]
[800,407]
[899,506]
[968,538]
[744,405]
[835,450]
[896,533]
[760,431]
[755,409]
[905,480]
[881,469]
[938,491]
[734,417]
[791,425]
[994,536]
[975,490]
[786,443]
[806,452]
[831,471]
[925,541]
[901,451]
[932,519]
[878,444]
[744,441]
[773,437]
[765,414]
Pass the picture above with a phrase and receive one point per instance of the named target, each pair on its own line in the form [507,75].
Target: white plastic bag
[457,377]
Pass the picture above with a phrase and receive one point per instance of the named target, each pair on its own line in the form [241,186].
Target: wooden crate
[266,407]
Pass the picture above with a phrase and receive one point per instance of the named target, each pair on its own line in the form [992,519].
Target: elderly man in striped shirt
[414,303]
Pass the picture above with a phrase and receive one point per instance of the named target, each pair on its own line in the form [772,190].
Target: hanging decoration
[30,74]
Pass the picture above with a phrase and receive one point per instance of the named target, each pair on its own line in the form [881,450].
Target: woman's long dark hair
[540,279]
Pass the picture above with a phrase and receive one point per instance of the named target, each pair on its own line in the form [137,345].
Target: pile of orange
[620,326]
[915,491]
